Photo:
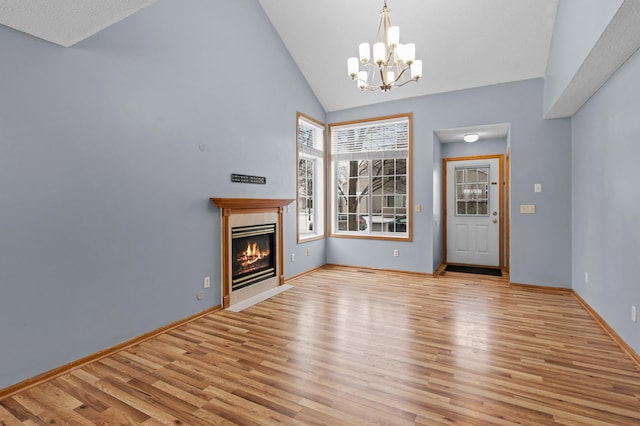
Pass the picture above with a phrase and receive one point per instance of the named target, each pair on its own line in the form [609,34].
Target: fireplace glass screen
[253,254]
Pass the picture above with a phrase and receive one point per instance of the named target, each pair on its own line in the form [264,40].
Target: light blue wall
[606,207]
[106,229]
[578,27]
[540,153]
[482,147]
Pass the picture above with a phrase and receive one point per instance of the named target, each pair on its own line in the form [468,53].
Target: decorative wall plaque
[248,179]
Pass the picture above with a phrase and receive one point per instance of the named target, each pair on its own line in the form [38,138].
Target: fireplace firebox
[253,254]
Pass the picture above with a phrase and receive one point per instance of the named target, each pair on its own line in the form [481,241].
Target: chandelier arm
[367,86]
[387,24]
[408,81]
[382,76]
[401,73]
[398,66]
[389,57]
[380,25]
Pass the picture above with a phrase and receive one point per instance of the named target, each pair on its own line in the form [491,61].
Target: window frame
[333,220]
[318,196]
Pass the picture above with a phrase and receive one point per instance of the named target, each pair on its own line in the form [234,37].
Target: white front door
[473,212]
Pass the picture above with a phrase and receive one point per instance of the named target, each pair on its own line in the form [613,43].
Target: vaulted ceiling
[463,43]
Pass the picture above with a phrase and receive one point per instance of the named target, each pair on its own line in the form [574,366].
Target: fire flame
[252,254]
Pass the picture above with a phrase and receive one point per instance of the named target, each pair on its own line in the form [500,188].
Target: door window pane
[472,191]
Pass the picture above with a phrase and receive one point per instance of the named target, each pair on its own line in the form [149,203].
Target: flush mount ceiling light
[394,64]
[471,137]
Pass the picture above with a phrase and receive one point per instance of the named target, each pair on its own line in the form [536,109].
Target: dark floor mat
[474,270]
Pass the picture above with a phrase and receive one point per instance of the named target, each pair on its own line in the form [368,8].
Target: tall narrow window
[370,178]
[311,204]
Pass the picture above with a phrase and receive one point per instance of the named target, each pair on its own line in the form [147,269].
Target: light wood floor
[354,347]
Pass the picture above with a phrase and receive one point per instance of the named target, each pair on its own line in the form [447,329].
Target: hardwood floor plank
[345,346]
[26,406]
[10,418]
[116,407]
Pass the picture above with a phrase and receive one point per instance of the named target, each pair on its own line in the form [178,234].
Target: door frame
[504,212]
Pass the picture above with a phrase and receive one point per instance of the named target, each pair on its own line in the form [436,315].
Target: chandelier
[393,65]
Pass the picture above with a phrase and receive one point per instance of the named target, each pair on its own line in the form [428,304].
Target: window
[370,172]
[472,191]
[310,154]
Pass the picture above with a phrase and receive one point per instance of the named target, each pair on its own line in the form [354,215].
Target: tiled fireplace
[252,249]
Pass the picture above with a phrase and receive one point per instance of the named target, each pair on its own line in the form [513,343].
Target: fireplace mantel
[251,203]
[244,211]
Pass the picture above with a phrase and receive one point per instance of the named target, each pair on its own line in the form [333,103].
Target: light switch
[537,187]
[418,208]
[527,208]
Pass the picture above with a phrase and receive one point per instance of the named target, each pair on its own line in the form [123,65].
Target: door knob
[495,220]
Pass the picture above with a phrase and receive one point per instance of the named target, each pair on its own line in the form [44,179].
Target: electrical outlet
[396,253]
[293,257]
[634,317]
[586,277]
[308,252]
[207,282]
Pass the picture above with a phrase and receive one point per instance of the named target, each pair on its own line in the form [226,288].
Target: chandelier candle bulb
[400,53]
[365,53]
[410,53]
[362,80]
[416,69]
[379,53]
[393,36]
[353,66]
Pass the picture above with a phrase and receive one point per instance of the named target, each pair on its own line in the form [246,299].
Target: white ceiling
[66,22]
[484,132]
[462,43]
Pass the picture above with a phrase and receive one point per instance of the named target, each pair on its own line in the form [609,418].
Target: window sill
[310,237]
[376,236]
